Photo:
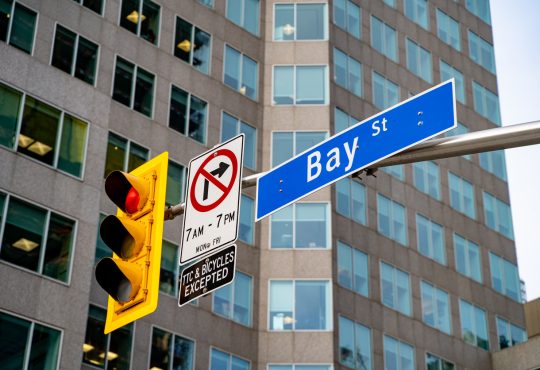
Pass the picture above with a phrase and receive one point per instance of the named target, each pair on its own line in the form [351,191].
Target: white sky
[516,30]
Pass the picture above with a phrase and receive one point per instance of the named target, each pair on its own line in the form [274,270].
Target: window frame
[461,192]
[431,247]
[326,83]
[387,81]
[137,32]
[328,301]
[496,203]
[232,302]
[483,110]
[129,141]
[436,317]
[501,261]
[351,182]
[241,72]
[253,224]
[133,86]
[398,342]
[455,72]
[469,269]
[417,54]
[238,129]
[348,68]
[439,16]
[75,50]
[193,27]
[508,325]
[355,323]
[393,55]
[58,139]
[347,26]
[415,17]
[230,355]
[108,338]
[480,44]
[44,237]
[440,358]
[425,169]
[395,304]
[392,235]
[294,143]
[243,17]
[10,27]
[328,220]
[174,335]
[295,12]
[100,13]
[475,324]
[188,115]
[28,344]
[353,250]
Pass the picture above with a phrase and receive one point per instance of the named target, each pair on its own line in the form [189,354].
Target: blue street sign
[400,127]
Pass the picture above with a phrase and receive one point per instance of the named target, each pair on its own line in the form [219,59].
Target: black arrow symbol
[217,172]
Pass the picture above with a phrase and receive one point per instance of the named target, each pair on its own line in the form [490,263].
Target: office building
[414,268]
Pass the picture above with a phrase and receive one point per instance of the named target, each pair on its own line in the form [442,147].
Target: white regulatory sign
[211,214]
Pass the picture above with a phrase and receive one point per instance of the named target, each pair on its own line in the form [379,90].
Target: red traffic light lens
[132,201]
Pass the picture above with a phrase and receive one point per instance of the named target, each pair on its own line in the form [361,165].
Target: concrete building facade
[414,268]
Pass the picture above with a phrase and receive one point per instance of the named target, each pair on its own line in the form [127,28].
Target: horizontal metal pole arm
[470,143]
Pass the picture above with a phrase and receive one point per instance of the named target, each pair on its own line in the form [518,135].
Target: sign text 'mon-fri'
[211,216]
[362,145]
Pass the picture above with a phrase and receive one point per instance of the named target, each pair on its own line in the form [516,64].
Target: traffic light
[131,275]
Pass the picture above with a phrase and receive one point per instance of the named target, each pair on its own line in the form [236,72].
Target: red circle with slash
[226,189]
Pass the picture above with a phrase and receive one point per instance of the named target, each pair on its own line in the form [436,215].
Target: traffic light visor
[119,188]
[121,280]
[124,236]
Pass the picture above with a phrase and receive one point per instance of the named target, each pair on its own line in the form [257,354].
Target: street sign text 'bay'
[417,119]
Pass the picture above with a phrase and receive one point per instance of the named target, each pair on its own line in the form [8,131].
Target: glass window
[398,355]
[384,38]
[417,11]
[208,3]
[468,261]
[397,171]
[392,219]
[188,114]
[509,334]
[300,85]
[247,220]
[505,277]
[17,25]
[461,195]
[37,239]
[28,345]
[300,22]
[133,86]
[301,225]
[448,72]
[233,301]
[436,363]
[347,72]
[75,55]
[480,8]
[385,92]
[106,351]
[497,215]
[287,144]
[220,360]
[192,45]
[347,16]
[353,271]
[435,307]
[473,325]
[168,278]
[241,73]
[391,3]
[395,289]
[175,184]
[300,305]
[351,200]
[481,52]
[244,13]
[354,344]
[343,120]
[123,154]
[459,130]
[102,250]
[419,60]
[426,178]
[142,18]
[45,133]
[494,162]
[486,103]
[170,351]
[232,126]
[430,239]
[95,5]
[448,30]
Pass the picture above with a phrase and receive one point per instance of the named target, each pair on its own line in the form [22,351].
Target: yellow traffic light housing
[131,275]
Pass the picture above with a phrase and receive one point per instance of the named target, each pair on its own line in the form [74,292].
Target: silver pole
[474,142]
